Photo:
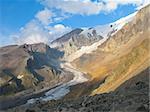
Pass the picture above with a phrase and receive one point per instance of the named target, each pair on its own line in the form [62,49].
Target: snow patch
[85,49]
[20,76]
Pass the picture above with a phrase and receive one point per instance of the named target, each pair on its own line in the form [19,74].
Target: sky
[34,21]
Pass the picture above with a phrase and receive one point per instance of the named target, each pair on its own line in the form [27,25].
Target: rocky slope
[131,96]
[74,40]
[113,56]
[122,56]
[82,37]
[28,66]
[30,73]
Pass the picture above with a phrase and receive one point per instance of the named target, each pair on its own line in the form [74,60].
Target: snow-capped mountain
[87,61]
[106,31]
[109,29]
[85,40]
[74,40]
[121,56]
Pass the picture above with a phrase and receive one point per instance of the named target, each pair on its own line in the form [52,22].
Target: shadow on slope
[39,60]
[131,96]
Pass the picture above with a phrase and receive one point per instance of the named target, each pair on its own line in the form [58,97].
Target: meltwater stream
[62,90]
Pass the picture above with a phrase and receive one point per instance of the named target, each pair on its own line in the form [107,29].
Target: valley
[104,68]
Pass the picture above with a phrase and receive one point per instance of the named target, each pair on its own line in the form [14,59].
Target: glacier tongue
[62,90]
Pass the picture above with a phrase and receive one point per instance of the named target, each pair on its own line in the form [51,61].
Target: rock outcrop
[74,40]
[27,66]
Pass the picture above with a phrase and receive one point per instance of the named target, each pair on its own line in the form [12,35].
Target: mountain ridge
[106,61]
[83,62]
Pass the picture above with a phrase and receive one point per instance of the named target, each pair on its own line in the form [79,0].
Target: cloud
[35,32]
[40,29]
[60,15]
[58,30]
[82,7]
[5,40]
[111,5]
[45,16]
[88,7]
[124,2]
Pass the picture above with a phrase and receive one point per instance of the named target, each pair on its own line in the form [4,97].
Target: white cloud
[87,7]
[58,30]
[45,16]
[60,15]
[124,2]
[6,40]
[82,7]
[33,32]
[111,5]
[39,29]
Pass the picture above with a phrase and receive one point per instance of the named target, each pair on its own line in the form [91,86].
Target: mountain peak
[67,36]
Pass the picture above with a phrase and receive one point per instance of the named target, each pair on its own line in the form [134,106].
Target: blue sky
[100,19]
[16,13]
[23,21]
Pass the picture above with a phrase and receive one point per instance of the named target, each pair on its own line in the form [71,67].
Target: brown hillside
[122,56]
